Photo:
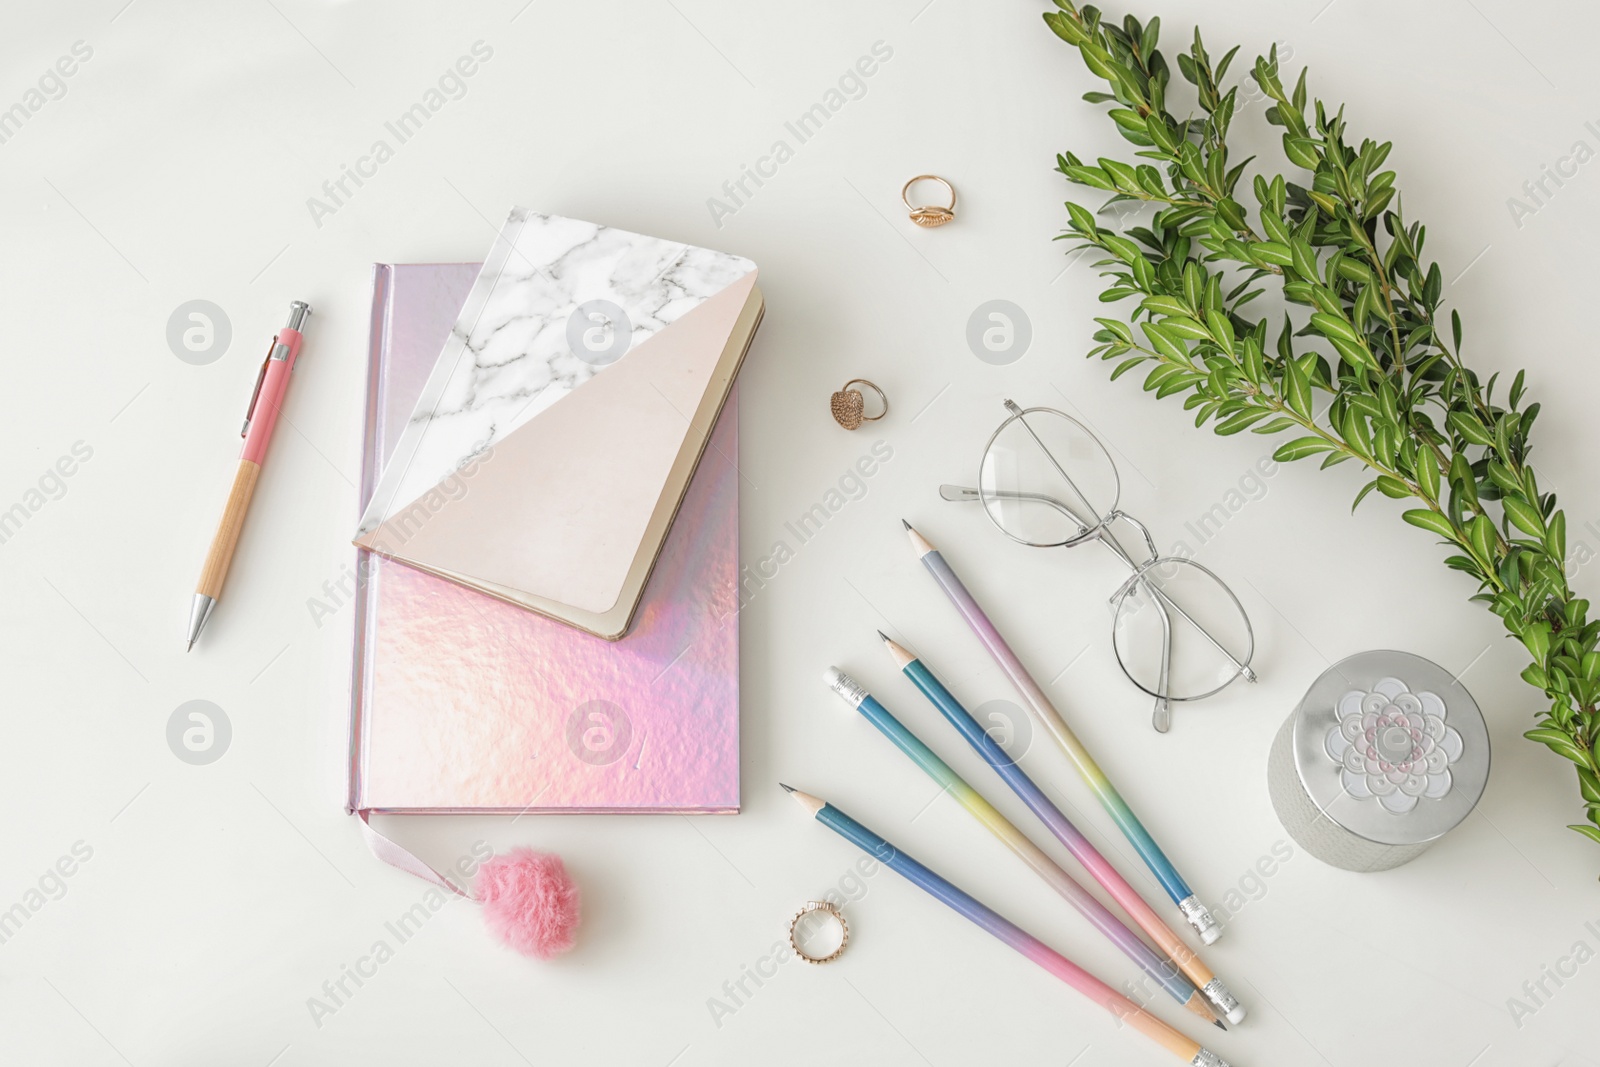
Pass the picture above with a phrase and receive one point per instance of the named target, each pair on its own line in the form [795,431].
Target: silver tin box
[1385,754]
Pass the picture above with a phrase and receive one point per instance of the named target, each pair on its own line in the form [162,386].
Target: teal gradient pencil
[1165,973]
[1195,913]
[1069,835]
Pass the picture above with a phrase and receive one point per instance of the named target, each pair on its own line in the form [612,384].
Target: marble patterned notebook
[560,425]
[462,703]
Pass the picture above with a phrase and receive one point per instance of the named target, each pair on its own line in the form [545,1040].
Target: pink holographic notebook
[463,703]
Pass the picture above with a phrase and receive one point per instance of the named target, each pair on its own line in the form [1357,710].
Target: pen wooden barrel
[227,536]
[1386,754]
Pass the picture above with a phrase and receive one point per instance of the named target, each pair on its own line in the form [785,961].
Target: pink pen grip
[264,416]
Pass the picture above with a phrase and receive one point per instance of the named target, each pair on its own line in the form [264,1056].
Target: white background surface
[218,899]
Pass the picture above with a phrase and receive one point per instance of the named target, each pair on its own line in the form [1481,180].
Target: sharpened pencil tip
[787,788]
[882,636]
[906,524]
[1218,1024]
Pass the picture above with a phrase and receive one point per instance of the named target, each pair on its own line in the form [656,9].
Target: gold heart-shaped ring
[849,407]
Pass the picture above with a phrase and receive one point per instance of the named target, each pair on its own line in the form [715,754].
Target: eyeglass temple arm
[965,493]
[1017,413]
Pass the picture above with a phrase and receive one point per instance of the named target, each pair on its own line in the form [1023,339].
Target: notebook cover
[578,462]
[464,703]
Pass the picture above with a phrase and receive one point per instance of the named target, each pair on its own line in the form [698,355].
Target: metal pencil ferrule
[1199,916]
[850,690]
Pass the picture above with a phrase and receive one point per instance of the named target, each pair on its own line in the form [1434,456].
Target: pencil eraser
[850,690]
[1211,934]
[1236,1016]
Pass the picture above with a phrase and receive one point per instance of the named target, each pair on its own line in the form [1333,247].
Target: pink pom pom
[529,901]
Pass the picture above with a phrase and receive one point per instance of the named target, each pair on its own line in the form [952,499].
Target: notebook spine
[371,449]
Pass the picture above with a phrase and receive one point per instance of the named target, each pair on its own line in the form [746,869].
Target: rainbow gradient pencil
[1125,1010]
[1194,912]
[1166,974]
[1069,835]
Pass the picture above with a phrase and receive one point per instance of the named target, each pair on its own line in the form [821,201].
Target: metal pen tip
[190,646]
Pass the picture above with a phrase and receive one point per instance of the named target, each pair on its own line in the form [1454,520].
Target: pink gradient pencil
[1165,973]
[1058,824]
[1194,912]
[965,904]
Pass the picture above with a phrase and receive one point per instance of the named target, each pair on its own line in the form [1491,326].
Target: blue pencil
[964,903]
[1166,974]
[1069,835]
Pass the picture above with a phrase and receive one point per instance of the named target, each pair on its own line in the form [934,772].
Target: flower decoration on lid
[1393,744]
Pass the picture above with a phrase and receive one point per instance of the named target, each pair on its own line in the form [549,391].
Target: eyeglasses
[1179,633]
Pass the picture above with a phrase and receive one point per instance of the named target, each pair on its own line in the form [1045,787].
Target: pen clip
[255,394]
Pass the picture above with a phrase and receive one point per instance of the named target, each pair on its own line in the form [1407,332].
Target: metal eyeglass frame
[1100,530]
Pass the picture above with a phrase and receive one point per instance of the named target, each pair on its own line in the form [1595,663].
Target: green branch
[1403,402]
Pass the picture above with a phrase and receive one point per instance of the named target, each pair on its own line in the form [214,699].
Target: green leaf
[1160,133]
[1241,420]
[1524,516]
[1365,489]
[1302,151]
[1332,326]
[1165,305]
[1393,488]
[1558,743]
[1127,365]
[1066,27]
[1356,434]
[1297,389]
[1221,329]
[1470,428]
[1592,833]
[1081,218]
[1300,448]
[1431,521]
[1305,259]
[1089,176]
[1122,174]
[1277,425]
[1481,535]
[1427,468]
[1123,331]
[1185,327]
[1165,343]
[1555,536]
[1272,252]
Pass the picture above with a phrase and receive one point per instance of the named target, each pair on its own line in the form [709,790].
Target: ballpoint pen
[259,419]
